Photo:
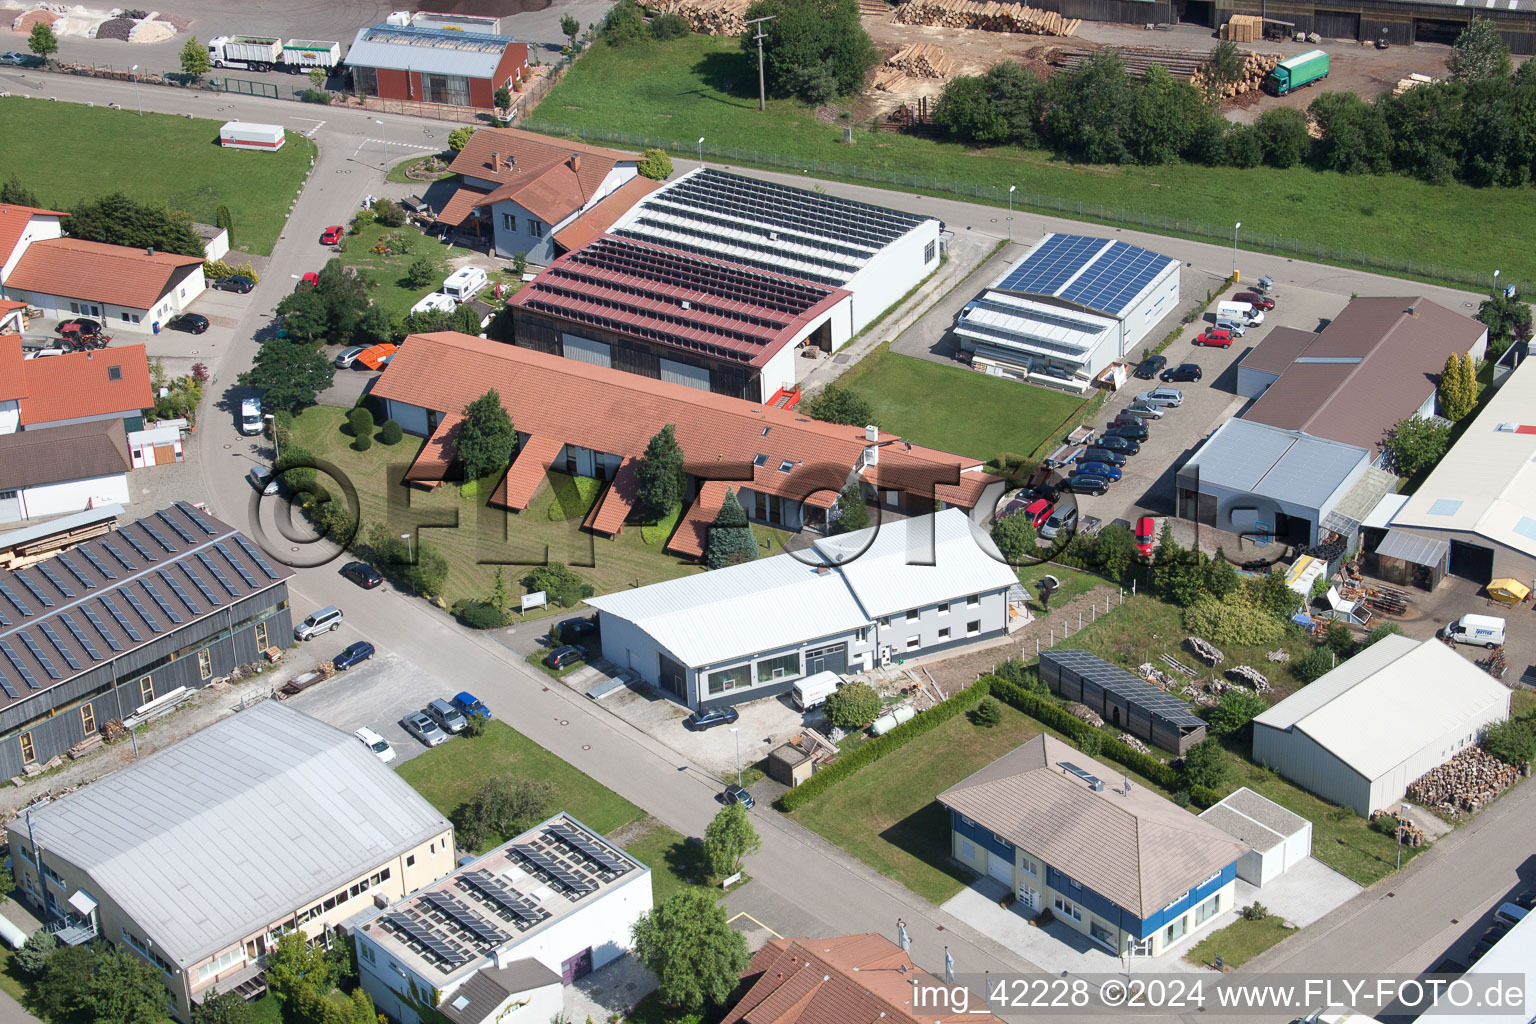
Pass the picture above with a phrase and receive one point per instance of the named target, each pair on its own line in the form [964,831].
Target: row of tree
[118,220]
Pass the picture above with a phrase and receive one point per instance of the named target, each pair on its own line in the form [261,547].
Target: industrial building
[589,420]
[434,64]
[1068,308]
[1399,22]
[1133,872]
[848,604]
[1474,516]
[877,254]
[199,857]
[1277,839]
[1124,701]
[499,937]
[1362,733]
[157,607]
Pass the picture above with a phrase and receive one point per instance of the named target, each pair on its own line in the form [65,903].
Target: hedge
[878,747]
[1204,796]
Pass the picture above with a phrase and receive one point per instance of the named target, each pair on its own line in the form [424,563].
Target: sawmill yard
[673,92]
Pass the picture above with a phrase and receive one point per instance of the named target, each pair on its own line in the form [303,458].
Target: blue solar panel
[1050,266]
[1115,278]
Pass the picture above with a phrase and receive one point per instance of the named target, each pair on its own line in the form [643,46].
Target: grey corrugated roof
[26,534]
[232,828]
[1271,462]
[1411,547]
[426,50]
[50,455]
[1255,820]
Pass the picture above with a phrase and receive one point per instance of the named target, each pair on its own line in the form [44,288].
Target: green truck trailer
[1302,70]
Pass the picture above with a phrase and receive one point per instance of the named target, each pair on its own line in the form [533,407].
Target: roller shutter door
[688,376]
[585,350]
[1337,25]
[1000,868]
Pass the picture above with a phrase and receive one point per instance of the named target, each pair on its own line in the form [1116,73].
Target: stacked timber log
[922,60]
[1201,695]
[1413,81]
[1252,676]
[1243,28]
[1280,656]
[1187,64]
[1086,714]
[1467,782]
[986,15]
[708,17]
[1256,68]
[1205,650]
[1407,831]
[1134,743]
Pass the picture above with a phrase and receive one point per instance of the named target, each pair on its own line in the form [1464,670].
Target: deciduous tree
[1415,444]
[486,436]
[730,838]
[42,41]
[1355,137]
[459,137]
[833,404]
[293,964]
[1222,67]
[853,706]
[1089,107]
[852,511]
[195,62]
[1286,139]
[289,374]
[125,989]
[813,49]
[1205,764]
[688,944]
[222,1008]
[570,28]
[1511,741]
[1234,711]
[1478,53]
[14,193]
[1015,539]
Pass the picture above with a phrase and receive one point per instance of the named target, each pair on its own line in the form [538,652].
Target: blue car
[470,707]
[1107,470]
[353,655]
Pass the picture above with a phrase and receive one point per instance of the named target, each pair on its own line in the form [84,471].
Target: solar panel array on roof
[195,519]
[218,574]
[119,557]
[594,852]
[1115,278]
[64,652]
[85,581]
[133,542]
[155,536]
[1133,689]
[37,652]
[121,619]
[181,595]
[16,602]
[478,927]
[176,527]
[244,574]
[1095,273]
[1052,265]
[148,620]
[32,588]
[19,665]
[101,627]
[444,956]
[55,579]
[197,581]
[98,564]
[542,863]
[9,690]
[261,563]
[474,42]
[80,637]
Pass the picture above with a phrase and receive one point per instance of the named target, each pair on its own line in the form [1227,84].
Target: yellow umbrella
[1509,591]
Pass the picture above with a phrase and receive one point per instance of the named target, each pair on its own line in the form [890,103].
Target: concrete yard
[376,694]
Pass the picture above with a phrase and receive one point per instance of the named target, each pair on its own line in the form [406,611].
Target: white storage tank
[885,723]
[245,135]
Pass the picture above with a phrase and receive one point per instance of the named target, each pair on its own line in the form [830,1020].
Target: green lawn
[675,862]
[886,815]
[706,86]
[1239,942]
[1073,584]
[954,409]
[155,158]
[450,774]
[386,274]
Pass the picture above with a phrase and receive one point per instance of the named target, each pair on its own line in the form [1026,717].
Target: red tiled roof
[600,218]
[436,455]
[535,170]
[693,532]
[113,274]
[13,224]
[617,413]
[13,368]
[459,204]
[526,472]
[674,298]
[850,979]
[617,502]
[80,384]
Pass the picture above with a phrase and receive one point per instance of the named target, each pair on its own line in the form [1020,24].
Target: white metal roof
[427,51]
[1386,703]
[235,826]
[1486,484]
[999,318]
[1285,465]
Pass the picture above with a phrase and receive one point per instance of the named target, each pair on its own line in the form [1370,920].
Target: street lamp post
[701,152]
[277,456]
[1010,211]
[1234,249]
[136,95]
[1402,815]
[385,140]
[409,558]
[737,733]
[1495,282]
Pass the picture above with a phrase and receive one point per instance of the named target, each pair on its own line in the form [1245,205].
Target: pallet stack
[1413,81]
[1467,782]
[1243,28]
[986,15]
[708,17]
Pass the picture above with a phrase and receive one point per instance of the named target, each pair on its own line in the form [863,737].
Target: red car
[1038,512]
[1255,300]
[333,234]
[1146,534]
[307,282]
[1215,337]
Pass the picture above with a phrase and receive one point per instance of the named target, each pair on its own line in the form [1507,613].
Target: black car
[735,794]
[1047,491]
[1182,372]
[1084,483]
[572,630]
[1130,430]
[364,575]
[1129,419]
[708,719]
[237,283]
[1104,455]
[192,323]
[83,325]
[1117,443]
[562,657]
[1526,899]
[1150,366]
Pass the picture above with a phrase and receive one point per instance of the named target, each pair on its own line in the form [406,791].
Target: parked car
[1061,521]
[192,323]
[1104,455]
[446,716]
[736,794]
[326,620]
[332,234]
[1118,444]
[376,743]
[1182,372]
[1128,419]
[11,57]
[563,657]
[1038,511]
[1526,899]
[1083,483]
[234,283]
[1146,534]
[262,479]
[1107,470]
[1046,491]
[308,281]
[348,356]
[1255,300]
[81,325]
[1236,328]
[1135,431]
[709,718]
[1150,367]
[1165,397]
[1215,337]
[363,574]
[470,707]
[1146,412]
[423,728]
[355,654]
[572,630]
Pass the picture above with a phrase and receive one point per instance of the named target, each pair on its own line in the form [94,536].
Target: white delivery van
[250,416]
[465,283]
[1242,311]
[813,691]
[1485,630]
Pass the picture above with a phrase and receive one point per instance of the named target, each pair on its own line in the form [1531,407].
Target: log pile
[1256,68]
[986,15]
[1413,81]
[1137,59]
[1252,676]
[1205,650]
[1407,831]
[1135,744]
[922,60]
[1280,657]
[708,17]
[1243,28]
[1467,782]
[1154,675]
[1201,695]
[1086,714]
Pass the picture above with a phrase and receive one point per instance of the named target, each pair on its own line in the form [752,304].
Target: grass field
[1239,942]
[953,409]
[705,86]
[386,274]
[155,158]
[675,863]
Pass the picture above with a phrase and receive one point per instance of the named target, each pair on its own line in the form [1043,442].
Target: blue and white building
[1067,309]
[1132,871]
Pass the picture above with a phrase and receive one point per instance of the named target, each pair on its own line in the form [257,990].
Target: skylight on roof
[759,460]
[1526,527]
[765,431]
[1445,507]
[786,466]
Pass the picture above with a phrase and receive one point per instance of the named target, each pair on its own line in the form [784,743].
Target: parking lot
[376,694]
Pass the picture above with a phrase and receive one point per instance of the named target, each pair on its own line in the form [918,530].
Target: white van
[1243,311]
[813,691]
[1486,630]
[250,416]
[465,283]
[1510,913]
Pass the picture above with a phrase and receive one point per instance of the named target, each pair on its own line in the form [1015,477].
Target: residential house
[58,470]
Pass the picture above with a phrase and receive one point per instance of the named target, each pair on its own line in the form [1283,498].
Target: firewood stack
[1135,744]
[986,15]
[1250,676]
[1407,831]
[1086,714]
[1467,782]
[1205,650]
[708,17]
[1153,675]
[1256,68]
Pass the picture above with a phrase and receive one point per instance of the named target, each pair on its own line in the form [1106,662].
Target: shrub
[655,164]
[480,615]
[1382,631]
[563,585]
[1233,620]
[459,137]
[669,26]
[391,433]
[1015,539]
[1205,764]
[360,422]
[1234,711]
[362,442]
[1091,743]
[316,96]
[1339,639]
[988,713]
[853,706]
[1512,742]
[389,213]
[1317,663]
[1254,911]
[1204,796]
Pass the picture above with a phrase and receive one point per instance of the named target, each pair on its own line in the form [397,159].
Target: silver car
[423,728]
[1145,411]
[326,620]
[446,715]
[1232,327]
[347,356]
[1162,396]
[262,479]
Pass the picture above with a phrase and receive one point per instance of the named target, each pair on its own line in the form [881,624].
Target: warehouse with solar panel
[1068,308]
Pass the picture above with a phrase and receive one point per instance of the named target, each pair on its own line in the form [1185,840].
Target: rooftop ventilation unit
[1094,782]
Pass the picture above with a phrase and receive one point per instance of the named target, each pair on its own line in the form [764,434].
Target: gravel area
[117,28]
[179,22]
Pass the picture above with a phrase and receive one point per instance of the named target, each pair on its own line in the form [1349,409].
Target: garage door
[10,506]
[1471,561]
[585,350]
[1000,868]
[1337,25]
[681,373]
[827,659]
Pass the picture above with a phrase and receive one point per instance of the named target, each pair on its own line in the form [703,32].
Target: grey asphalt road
[802,884]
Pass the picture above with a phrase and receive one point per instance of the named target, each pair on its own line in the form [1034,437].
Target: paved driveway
[376,694]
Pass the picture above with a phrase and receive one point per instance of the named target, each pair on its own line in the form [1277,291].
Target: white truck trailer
[268,53]
[245,135]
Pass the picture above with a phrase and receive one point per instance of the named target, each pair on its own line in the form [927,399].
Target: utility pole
[762,90]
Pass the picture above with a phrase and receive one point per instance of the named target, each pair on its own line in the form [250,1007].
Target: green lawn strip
[10,984]
[536,659]
[657,533]
[675,862]
[448,775]
[397,174]
[266,1010]
[118,151]
[1239,942]
[1522,703]
[676,91]
[1073,584]
[953,409]
[572,497]
[886,815]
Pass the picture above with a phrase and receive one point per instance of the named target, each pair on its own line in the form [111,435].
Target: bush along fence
[1281,245]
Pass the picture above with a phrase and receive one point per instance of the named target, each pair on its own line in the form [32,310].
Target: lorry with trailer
[269,53]
[1300,70]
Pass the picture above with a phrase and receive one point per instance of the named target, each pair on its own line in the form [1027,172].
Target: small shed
[247,135]
[1278,839]
[158,445]
[215,240]
[793,762]
[1124,701]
